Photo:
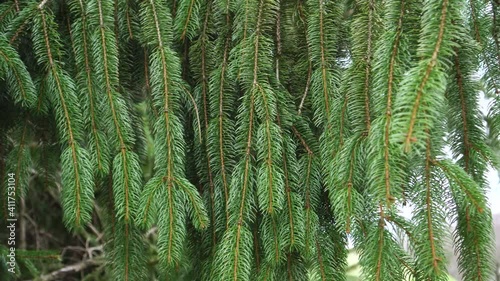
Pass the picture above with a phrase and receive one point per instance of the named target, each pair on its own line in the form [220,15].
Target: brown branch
[463,114]
[306,90]
[368,66]
[70,269]
[40,6]
[428,203]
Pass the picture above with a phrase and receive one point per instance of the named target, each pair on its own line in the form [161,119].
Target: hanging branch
[348,180]
[430,257]
[19,159]
[386,170]
[220,137]
[365,29]
[292,216]
[187,19]
[381,256]
[423,85]
[491,54]
[18,79]
[126,171]
[77,197]
[202,63]
[270,189]
[174,195]
[321,35]
[99,149]
[256,120]
[126,176]
[310,171]
[467,184]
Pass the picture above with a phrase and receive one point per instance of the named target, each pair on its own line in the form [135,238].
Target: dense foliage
[255,139]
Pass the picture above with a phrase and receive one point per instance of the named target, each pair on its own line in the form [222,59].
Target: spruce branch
[467,181]
[221,93]
[187,21]
[19,159]
[173,190]
[81,47]
[76,176]
[419,104]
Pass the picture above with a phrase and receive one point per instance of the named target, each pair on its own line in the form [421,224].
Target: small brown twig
[73,268]
[40,6]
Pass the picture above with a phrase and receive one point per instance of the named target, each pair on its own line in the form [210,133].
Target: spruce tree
[257,139]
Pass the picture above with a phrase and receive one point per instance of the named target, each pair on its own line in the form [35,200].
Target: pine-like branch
[429,220]
[99,149]
[174,191]
[77,197]
[424,84]
[385,170]
[467,183]
[221,91]
[187,19]
[13,70]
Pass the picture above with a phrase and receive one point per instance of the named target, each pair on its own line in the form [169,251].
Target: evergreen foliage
[252,140]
